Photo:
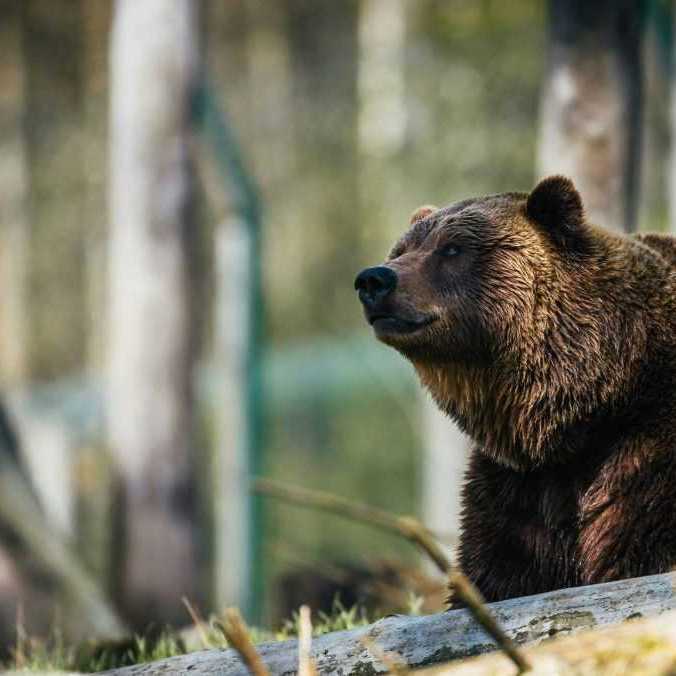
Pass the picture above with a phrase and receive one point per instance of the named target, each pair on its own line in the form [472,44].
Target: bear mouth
[387,324]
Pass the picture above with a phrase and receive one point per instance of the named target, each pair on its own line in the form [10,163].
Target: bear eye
[449,250]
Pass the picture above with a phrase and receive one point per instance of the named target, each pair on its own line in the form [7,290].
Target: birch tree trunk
[149,363]
[13,216]
[591,105]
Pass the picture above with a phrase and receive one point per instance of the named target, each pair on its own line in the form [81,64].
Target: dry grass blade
[197,621]
[21,637]
[413,531]
[306,665]
[237,633]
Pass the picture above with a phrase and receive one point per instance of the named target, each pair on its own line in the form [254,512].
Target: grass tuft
[55,654]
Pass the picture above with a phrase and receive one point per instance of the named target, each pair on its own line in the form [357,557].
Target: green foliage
[339,619]
[56,654]
[168,645]
[34,655]
[362,447]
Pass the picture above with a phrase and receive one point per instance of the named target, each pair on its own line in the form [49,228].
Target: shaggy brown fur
[553,344]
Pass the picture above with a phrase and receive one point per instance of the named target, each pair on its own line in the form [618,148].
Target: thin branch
[404,526]
[197,621]
[413,531]
[471,597]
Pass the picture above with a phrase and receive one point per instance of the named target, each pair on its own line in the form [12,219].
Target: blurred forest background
[188,190]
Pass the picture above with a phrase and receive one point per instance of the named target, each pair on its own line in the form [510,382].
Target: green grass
[55,654]
[340,619]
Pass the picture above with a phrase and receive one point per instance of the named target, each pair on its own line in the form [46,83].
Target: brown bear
[552,343]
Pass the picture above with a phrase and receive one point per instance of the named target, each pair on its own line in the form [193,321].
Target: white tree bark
[382,90]
[591,105]
[47,450]
[434,639]
[153,62]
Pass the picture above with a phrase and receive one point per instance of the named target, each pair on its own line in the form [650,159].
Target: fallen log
[638,647]
[433,639]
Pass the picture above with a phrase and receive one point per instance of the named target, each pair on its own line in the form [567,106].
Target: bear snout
[375,284]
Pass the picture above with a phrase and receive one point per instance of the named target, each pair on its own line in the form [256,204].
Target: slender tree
[591,104]
[13,207]
[53,52]
[672,168]
[149,364]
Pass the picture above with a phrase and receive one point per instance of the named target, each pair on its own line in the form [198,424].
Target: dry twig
[235,630]
[306,665]
[471,597]
[197,621]
[405,526]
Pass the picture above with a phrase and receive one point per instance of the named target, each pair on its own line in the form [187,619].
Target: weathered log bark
[644,647]
[434,639]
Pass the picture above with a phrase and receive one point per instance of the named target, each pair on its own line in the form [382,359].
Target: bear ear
[421,213]
[556,205]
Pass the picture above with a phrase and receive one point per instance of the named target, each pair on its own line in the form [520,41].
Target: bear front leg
[628,516]
[518,530]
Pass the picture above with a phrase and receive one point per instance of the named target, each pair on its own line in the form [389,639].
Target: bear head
[497,303]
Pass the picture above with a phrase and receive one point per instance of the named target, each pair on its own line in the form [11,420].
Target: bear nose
[374,284]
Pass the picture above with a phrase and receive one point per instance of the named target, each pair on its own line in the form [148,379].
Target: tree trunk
[591,105]
[96,19]
[53,49]
[672,168]
[150,400]
[13,216]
